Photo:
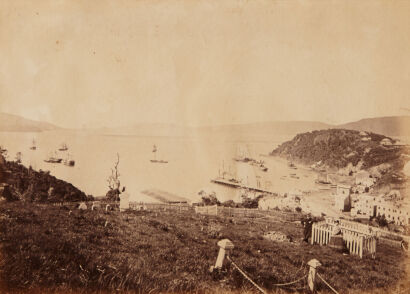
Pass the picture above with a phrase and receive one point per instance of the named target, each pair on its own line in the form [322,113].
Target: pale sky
[100,63]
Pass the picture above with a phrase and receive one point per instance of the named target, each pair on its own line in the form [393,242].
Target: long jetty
[226,182]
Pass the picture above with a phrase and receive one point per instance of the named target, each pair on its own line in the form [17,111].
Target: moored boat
[53,158]
[63,147]
[159,161]
[33,145]
[155,160]
[69,161]
[263,168]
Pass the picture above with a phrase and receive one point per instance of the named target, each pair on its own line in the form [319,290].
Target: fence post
[313,265]
[224,246]
[361,246]
[312,240]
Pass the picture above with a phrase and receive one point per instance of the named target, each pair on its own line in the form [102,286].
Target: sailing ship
[63,147]
[155,160]
[33,145]
[69,161]
[53,158]
[260,164]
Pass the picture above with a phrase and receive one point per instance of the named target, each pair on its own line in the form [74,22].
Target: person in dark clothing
[307,231]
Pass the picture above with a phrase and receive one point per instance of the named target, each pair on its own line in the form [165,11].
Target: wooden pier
[235,184]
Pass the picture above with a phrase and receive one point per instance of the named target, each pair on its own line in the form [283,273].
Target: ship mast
[154,150]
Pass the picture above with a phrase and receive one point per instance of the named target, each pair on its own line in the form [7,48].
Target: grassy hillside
[30,185]
[339,147]
[47,249]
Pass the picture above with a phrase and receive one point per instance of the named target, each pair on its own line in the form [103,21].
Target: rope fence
[246,276]
[256,285]
[226,245]
[327,284]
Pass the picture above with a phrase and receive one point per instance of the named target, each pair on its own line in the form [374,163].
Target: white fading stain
[32,68]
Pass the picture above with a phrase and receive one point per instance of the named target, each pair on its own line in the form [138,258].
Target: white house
[342,198]
[365,205]
[363,178]
[397,212]
[280,202]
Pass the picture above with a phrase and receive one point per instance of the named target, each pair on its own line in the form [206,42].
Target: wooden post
[313,265]
[327,236]
[361,247]
[312,240]
[321,236]
[319,231]
[354,244]
[225,246]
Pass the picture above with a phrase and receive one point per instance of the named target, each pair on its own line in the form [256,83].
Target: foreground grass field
[46,249]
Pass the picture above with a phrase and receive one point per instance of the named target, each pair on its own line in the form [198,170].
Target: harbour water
[192,162]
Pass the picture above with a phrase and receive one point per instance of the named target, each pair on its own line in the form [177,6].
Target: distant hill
[145,130]
[275,127]
[15,123]
[389,126]
[254,130]
[336,148]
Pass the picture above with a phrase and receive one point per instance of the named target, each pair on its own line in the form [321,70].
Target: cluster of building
[392,206]
[286,201]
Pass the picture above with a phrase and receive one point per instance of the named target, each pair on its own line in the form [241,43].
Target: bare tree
[114,182]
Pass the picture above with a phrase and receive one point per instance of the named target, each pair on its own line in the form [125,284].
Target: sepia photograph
[204,146]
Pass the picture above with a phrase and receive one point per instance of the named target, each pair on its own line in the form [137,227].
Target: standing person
[307,231]
[336,229]
[124,200]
